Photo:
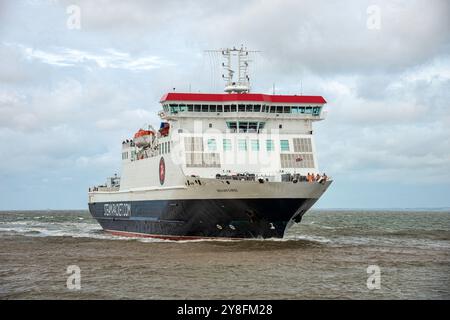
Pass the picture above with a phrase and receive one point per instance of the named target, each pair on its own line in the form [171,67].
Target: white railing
[104,189]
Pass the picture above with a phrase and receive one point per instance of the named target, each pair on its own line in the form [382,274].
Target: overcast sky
[69,96]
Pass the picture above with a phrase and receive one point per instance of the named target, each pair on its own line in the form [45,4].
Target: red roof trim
[255,97]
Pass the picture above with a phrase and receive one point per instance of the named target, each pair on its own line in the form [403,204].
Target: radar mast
[236,69]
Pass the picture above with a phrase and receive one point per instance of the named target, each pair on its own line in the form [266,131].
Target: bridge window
[173,108]
[232,126]
[252,126]
[243,126]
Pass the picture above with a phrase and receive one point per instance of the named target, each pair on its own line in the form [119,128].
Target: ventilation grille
[193,144]
[206,160]
[297,160]
[302,145]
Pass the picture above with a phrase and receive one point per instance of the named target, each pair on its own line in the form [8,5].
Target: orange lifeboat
[143,138]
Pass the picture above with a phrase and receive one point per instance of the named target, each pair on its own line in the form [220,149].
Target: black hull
[208,218]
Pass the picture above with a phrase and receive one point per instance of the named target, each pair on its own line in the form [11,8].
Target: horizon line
[442,208]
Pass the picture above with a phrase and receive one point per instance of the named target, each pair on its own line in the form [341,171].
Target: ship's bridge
[243,105]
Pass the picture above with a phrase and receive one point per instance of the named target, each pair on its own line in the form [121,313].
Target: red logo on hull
[162,171]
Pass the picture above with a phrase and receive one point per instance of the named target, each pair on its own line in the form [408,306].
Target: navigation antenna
[236,60]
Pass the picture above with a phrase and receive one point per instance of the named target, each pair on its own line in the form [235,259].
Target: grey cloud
[333,37]
[123,16]
[324,37]
[13,69]
[398,130]
[109,58]
[62,127]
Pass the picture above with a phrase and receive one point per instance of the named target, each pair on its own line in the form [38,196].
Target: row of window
[212,160]
[193,144]
[175,108]
[242,145]
[245,126]
[164,148]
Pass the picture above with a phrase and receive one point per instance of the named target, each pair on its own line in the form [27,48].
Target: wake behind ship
[229,165]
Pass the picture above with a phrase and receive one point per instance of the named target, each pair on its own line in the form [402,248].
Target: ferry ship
[234,165]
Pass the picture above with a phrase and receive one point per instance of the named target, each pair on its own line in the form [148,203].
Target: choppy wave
[81,227]
[419,229]
[54,226]
[325,256]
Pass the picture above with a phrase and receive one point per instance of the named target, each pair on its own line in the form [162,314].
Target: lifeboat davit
[143,138]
